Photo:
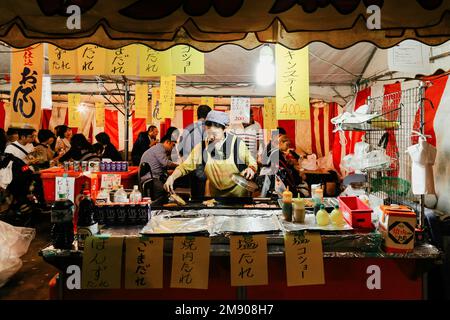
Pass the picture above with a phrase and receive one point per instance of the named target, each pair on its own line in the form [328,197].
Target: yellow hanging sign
[304,259]
[190,262]
[61,61]
[99,114]
[154,63]
[167,97]
[141,100]
[73,101]
[102,262]
[209,101]
[122,61]
[91,60]
[292,83]
[248,255]
[187,60]
[26,86]
[269,113]
[143,262]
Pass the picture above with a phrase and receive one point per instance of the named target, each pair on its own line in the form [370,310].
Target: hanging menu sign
[154,63]
[91,60]
[187,60]
[122,61]
[73,101]
[269,113]
[167,97]
[141,100]
[99,114]
[61,61]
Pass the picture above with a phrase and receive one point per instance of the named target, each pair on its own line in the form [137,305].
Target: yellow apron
[219,172]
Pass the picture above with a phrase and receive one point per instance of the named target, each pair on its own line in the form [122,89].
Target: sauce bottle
[298,208]
[322,216]
[337,218]
[287,204]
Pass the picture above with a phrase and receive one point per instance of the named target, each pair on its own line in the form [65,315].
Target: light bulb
[265,74]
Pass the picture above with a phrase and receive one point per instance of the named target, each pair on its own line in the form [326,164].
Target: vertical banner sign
[187,60]
[154,63]
[155,105]
[190,262]
[209,101]
[141,100]
[91,60]
[122,61]
[269,113]
[73,101]
[292,88]
[167,97]
[66,186]
[102,262]
[143,262]
[304,259]
[61,61]
[248,257]
[26,86]
[99,114]
[240,110]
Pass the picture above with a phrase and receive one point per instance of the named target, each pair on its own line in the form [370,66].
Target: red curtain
[391,147]
[2,115]
[258,116]
[112,126]
[45,120]
[289,126]
[188,117]
[139,125]
[163,126]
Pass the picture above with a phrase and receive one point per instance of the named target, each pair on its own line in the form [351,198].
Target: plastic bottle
[287,204]
[135,195]
[61,233]
[337,218]
[86,224]
[322,216]
[120,195]
[298,209]
[103,196]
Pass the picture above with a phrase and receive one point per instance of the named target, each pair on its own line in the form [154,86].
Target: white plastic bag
[14,243]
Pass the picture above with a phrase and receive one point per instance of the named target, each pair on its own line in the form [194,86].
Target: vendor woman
[221,155]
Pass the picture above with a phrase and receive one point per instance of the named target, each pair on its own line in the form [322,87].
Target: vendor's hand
[248,173]
[168,186]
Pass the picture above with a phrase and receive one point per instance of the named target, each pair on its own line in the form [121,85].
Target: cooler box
[397,225]
[356,213]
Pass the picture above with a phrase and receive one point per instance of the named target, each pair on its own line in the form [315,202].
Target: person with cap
[158,160]
[222,155]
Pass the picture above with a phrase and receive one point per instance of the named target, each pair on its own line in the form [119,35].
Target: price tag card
[144,262]
[102,262]
[304,259]
[110,180]
[248,255]
[240,110]
[190,262]
[66,186]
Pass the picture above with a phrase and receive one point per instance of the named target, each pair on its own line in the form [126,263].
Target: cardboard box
[397,225]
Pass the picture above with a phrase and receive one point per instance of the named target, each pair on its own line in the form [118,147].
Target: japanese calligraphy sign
[209,101]
[61,61]
[144,262]
[102,262]
[248,255]
[269,113]
[73,101]
[141,100]
[155,105]
[292,88]
[122,61]
[240,110]
[167,97]
[304,259]
[187,60]
[190,262]
[99,114]
[91,60]
[66,186]
[26,86]
[154,63]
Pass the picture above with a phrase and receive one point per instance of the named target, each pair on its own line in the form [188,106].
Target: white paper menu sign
[110,180]
[240,110]
[409,56]
[66,186]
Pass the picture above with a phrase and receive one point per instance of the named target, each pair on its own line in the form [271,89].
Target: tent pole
[127,116]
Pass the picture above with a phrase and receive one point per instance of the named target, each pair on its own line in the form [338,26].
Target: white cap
[218,117]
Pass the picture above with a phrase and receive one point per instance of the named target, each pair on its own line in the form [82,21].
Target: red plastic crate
[356,212]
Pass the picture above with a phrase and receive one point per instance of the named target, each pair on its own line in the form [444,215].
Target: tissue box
[397,225]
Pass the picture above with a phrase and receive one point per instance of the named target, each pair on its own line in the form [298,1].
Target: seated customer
[23,148]
[141,145]
[158,159]
[80,150]
[43,150]
[109,150]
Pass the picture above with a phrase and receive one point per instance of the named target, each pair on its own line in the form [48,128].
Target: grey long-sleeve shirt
[157,158]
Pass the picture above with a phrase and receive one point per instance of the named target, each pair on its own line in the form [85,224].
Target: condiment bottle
[322,216]
[337,218]
[318,195]
[298,207]
[287,204]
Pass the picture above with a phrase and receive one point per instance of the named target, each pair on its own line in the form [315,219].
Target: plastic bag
[14,243]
